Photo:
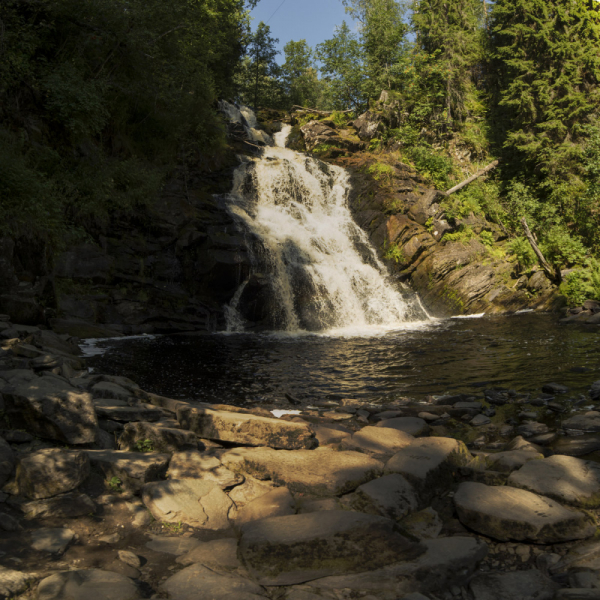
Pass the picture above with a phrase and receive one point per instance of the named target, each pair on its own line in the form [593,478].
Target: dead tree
[552,274]
[477,175]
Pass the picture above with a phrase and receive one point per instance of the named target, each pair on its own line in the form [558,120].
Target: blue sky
[312,20]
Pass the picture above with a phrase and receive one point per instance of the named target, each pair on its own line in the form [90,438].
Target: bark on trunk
[553,274]
[477,175]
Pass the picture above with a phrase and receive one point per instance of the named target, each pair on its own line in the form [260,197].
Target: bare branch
[477,175]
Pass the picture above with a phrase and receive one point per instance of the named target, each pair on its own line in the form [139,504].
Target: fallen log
[318,112]
[477,175]
[552,274]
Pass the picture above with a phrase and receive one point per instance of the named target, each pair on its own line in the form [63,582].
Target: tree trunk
[477,175]
[552,274]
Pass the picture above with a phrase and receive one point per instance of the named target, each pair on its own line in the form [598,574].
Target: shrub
[521,248]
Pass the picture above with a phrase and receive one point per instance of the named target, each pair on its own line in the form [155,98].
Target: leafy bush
[582,284]
[395,253]
[521,248]
[487,238]
[381,171]
[561,248]
[432,165]
[463,235]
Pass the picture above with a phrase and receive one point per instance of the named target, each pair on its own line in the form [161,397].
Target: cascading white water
[323,272]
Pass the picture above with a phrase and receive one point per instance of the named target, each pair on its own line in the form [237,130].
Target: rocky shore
[111,492]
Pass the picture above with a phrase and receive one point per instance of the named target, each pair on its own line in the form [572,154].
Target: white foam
[476,316]
[89,345]
[279,413]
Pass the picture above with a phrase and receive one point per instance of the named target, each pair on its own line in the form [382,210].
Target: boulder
[248,491]
[519,585]
[201,504]
[198,582]
[554,388]
[390,496]
[107,389]
[368,125]
[248,429]
[379,442]
[53,540]
[298,548]
[85,584]
[508,461]
[13,583]
[65,506]
[131,469]
[425,524]
[7,461]
[577,446]
[507,513]
[196,465]
[319,134]
[51,408]
[162,439]
[410,425]
[426,206]
[50,472]
[323,472]
[567,479]
[221,554]
[595,391]
[588,422]
[276,503]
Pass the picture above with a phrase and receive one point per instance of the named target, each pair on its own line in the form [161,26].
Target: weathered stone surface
[66,506]
[162,439]
[588,422]
[579,593]
[221,554]
[316,134]
[379,442]
[120,410]
[133,469]
[429,463]
[86,584]
[508,513]
[567,479]
[390,496]
[577,446]
[580,556]
[248,491]
[196,465]
[368,125]
[177,546]
[107,389]
[53,540]
[520,585]
[246,429]
[50,472]
[328,435]
[322,472]
[297,548]
[276,503]
[425,524]
[51,408]
[198,503]
[198,582]
[411,425]
[8,523]
[508,461]
[130,558]
[7,461]
[12,583]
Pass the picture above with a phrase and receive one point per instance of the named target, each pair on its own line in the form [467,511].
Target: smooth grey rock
[508,461]
[567,479]
[176,546]
[298,548]
[577,446]
[129,558]
[520,443]
[390,496]
[66,506]
[201,504]
[425,524]
[508,513]
[7,461]
[328,435]
[588,422]
[580,556]
[198,582]
[519,585]
[221,554]
[133,469]
[50,472]
[162,439]
[323,472]
[87,584]
[105,389]
[194,464]
[51,408]
[411,425]
[243,428]
[53,540]
[532,428]
[276,503]
[589,579]
[13,583]
[555,388]
[379,442]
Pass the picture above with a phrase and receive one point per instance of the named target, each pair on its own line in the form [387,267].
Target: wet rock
[119,410]
[530,429]
[51,408]
[508,513]
[379,442]
[221,554]
[276,503]
[480,420]
[132,469]
[50,472]
[580,556]
[588,579]
[426,206]
[106,389]
[595,391]
[390,496]
[201,504]
[66,506]
[577,594]
[86,584]
[520,585]
[423,524]
[13,583]
[520,443]
[588,422]
[161,439]
[411,425]
[194,464]
[322,472]
[7,462]
[84,262]
[318,134]
[177,546]
[116,566]
[510,460]
[498,397]
[246,428]
[298,548]
[555,388]
[53,540]
[567,479]
[429,463]
[198,582]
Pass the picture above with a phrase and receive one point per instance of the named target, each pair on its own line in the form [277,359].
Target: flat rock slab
[162,439]
[248,429]
[65,506]
[86,584]
[429,463]
[411,425]
[119,410]
[588,422]
[510,460]
[198,582]
[106,389]
[298,548]
[133,469]
[323,472]
[176,546]
[507,513]
[276,503]
[380,442]
[567,479]
[216,553]
[50,472]
[196,465]
[53,540]
[198,503]
[390,496]
[52,409]
[520,585]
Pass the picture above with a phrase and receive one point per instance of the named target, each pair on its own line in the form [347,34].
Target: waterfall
[313,267]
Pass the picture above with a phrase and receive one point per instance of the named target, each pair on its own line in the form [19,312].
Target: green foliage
[395,253]
[561,248]
[463,235]
[381,172]
[582,284]
[487,238]
[431,164]
[521,249]
[114,484]
[144,446]
[301,83]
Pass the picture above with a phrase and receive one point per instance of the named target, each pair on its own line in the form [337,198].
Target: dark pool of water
[457,355]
